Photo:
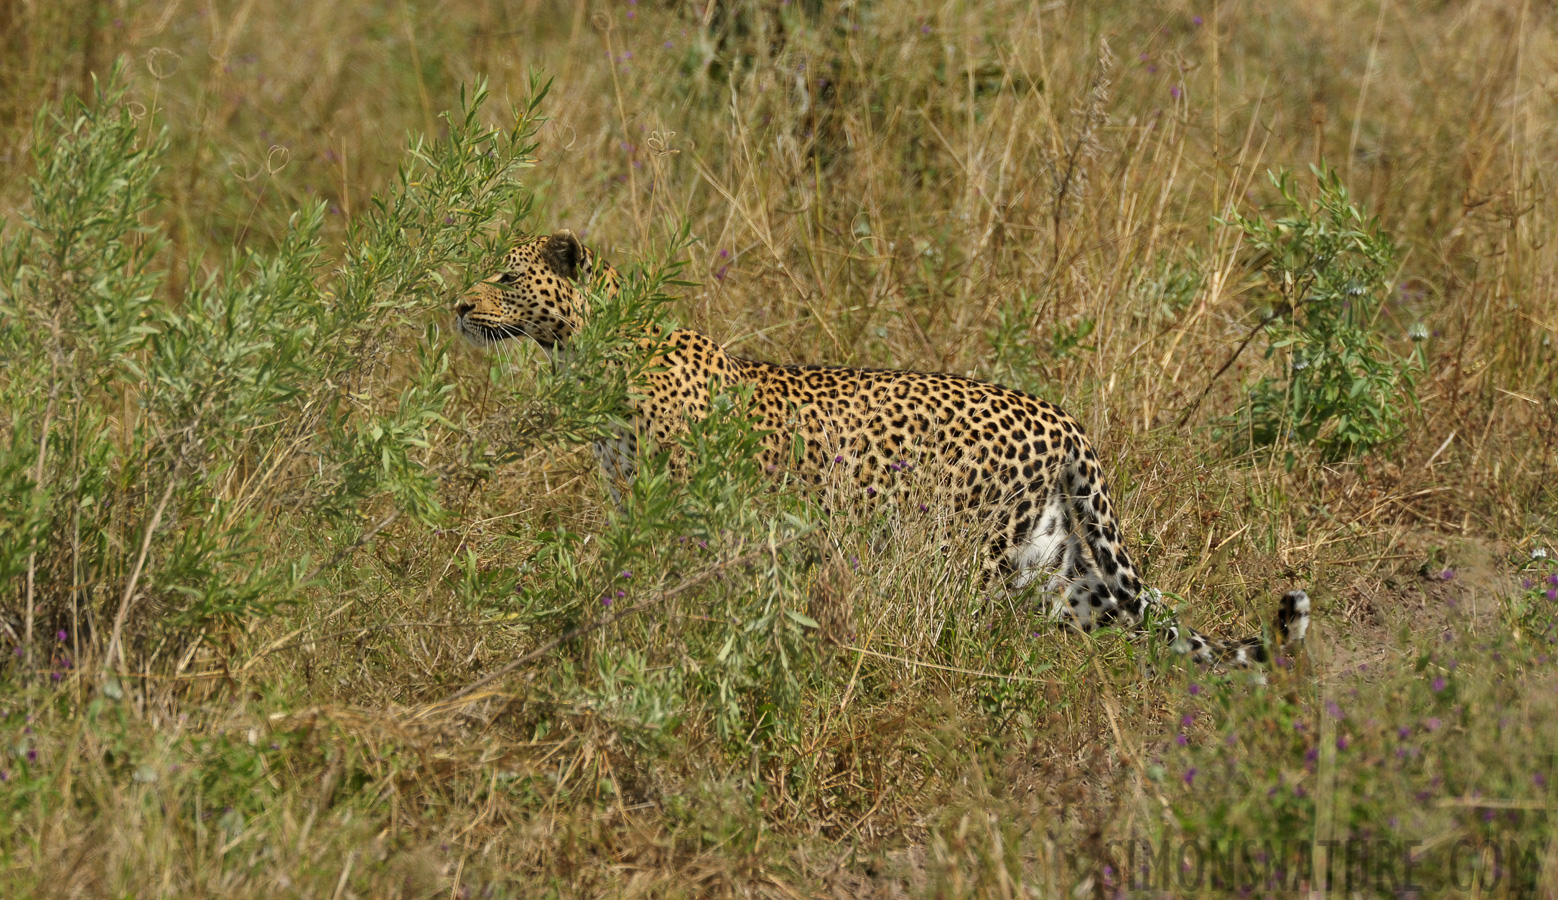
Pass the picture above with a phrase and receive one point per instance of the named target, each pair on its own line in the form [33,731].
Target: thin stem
[115,644]
[1260,326]
[588,627]
[37,480]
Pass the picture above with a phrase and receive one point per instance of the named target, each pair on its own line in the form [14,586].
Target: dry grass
[942,186]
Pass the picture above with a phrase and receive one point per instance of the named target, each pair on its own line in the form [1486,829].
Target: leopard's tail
[1110,591]
[1288,629]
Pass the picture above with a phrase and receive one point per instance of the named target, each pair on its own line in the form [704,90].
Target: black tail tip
[1293,617]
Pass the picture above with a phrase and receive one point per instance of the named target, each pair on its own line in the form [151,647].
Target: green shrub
[1326,269]
[708,570]
[167,441]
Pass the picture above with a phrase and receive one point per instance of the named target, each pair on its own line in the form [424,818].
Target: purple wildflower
[1447,575]
[1438,684]
[1194,689]
[1174,91]
[1197,20]
[1190,776]
[62,635]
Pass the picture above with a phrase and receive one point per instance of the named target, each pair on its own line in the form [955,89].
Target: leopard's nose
[464,308]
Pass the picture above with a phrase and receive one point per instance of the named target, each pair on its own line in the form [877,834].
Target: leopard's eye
[508,277]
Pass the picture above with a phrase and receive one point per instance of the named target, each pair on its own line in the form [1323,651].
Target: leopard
[1018,466]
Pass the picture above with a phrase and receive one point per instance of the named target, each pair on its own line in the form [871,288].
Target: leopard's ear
[564,254]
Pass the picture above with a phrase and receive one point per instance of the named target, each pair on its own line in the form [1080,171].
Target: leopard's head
[539,293]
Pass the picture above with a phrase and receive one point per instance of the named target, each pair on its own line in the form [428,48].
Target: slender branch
[1257,329]
[37,481]
[342,553]
[115,644]
[600,623]
[291,641]
[116,641]
[335,560]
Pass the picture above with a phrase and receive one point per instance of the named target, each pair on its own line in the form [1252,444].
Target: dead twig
[115,643]
[1257,329]
[615,617]
[342,553]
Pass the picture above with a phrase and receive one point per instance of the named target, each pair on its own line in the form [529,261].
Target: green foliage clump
[1326,269]
[1532,612]
[1018,345]
[706,567]
[162,442]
